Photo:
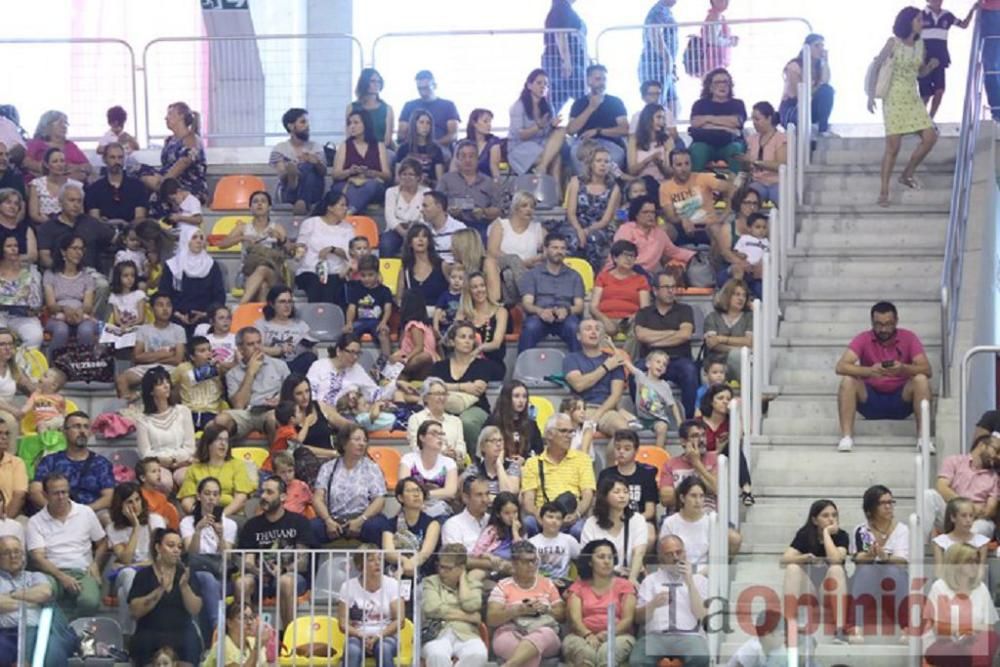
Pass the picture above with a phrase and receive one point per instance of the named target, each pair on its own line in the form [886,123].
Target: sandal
[747,498]
[883,201]
[910,182]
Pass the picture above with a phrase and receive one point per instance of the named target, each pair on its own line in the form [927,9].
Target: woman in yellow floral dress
[902,109]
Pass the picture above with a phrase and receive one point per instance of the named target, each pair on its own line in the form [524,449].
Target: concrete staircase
[848,254]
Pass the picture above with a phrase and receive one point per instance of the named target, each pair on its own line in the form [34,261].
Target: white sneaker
[846,444]
[930,447]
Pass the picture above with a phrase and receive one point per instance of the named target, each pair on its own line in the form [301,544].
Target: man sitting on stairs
[885,374]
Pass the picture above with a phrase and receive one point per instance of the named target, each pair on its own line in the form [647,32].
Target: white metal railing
[757,399]
[916,572]
[717,548]
[747,391]
[954,249]
[963,390]
[732,514]
[612,631]
[329,569]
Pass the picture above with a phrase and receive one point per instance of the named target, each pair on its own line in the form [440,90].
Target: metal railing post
[757,404]
[612,631]
[916,571]
[714,576]
[805,107]
[735,440]
[747,391]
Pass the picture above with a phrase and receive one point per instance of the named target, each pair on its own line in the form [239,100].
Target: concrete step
[865,206]
[858,143]
[875,169]
[791,513]
[814,440]
[866,288]
[861,180]
[828,311]
[823,357]
[831,427]
[898,195]
[846,330]
[870,243]
[882,221]
[874,267]
[818,467]
[820,379]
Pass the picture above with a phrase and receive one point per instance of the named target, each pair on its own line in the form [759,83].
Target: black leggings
[317,292]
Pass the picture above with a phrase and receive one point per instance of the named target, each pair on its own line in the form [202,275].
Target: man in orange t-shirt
[688,201]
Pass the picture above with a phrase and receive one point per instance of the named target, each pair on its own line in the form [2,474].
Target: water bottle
[322,271]
[203,373]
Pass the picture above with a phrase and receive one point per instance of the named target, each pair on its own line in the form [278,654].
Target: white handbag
[878,78]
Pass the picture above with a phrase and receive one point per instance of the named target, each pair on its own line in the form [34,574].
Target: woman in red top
[51,133]
[361,167]
[714,410]
[589,599]
[619,292]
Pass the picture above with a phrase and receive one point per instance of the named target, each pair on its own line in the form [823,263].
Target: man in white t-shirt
[66,541]
[443,226]
[466,527]
[671,608]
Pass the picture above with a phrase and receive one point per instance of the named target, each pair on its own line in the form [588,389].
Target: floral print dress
[590,209]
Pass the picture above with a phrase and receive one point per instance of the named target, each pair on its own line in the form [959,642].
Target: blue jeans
[360,196]
[390,244]
[534,330]
[766,192]
[62,643]
[531,527]
[86,333]
[822,107]
[211,593]
[684,373]
[991,59]
[356,652]
[309,188]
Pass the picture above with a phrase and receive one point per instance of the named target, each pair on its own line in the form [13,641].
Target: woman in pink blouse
[589,600]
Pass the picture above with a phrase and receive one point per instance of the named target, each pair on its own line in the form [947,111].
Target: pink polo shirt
[653,246]
[990,5]
[976,484]
[904,347]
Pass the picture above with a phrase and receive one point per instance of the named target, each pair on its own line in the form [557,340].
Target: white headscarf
[187,263]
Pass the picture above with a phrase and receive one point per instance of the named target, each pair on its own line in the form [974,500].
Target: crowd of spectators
[505,522]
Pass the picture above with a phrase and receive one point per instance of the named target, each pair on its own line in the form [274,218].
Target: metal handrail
[735,445]
[963,389]
[916,572]
[951,271]
[757,397]
[694,24]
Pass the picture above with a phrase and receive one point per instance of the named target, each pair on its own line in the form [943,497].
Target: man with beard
[276,529]
[599,117]
[117,196]
[884,373]
[300,163]
[90,475]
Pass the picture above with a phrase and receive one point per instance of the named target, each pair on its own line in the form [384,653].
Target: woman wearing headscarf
[192,279]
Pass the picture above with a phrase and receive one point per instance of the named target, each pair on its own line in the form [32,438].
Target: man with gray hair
[669,609]
[560,475]
[599,379]
[32,590]
[254,385]
[98,237]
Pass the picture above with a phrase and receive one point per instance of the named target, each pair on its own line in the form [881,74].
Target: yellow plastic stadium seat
[28,420]
[585,270]
[256,455]
[31,362]
[389,268]
[312,630]
[221,229]
[543,410]
[233,192]
[404,650]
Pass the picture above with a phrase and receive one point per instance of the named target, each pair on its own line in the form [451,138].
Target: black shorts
[931,83]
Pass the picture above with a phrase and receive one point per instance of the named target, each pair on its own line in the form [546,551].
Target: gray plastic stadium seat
[106,631]
[325,320]
[533,366]
[542,186]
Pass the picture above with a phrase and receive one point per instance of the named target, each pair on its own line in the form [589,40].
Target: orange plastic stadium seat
[387,459]
[651,455]
[365,226]
[247,314]
[233,192]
